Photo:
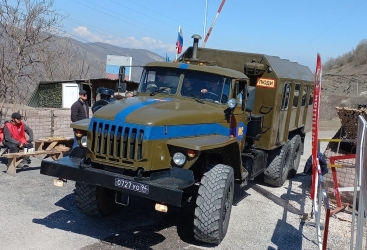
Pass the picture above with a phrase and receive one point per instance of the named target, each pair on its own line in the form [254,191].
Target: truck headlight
[179,159]
[232,103]
[84,141]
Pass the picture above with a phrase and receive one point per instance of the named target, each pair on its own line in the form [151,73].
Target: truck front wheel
[214,204]
[280,163]
[94,200]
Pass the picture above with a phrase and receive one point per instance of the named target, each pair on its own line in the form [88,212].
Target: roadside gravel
[37,215]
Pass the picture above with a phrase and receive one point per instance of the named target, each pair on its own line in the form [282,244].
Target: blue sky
[291,29]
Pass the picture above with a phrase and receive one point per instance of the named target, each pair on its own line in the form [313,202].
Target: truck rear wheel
[214,204]
[296,144]
[94,200]
[280,163]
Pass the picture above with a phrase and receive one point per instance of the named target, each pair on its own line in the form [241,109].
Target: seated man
[14,136]
[168,80]
[188,87]
[213,90]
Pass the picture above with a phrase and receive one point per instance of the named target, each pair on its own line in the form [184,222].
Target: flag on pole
[179,42]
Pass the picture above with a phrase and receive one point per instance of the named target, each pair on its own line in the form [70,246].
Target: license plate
[137,187]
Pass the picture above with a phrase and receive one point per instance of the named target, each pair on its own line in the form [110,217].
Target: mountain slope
[344,81]
[100,50]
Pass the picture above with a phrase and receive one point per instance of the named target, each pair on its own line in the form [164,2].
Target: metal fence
[360,184]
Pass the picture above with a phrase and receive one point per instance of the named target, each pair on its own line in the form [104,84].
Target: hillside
[60,58]
[344,81]
[101,50]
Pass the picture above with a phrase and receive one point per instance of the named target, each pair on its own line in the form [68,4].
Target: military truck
[193,128]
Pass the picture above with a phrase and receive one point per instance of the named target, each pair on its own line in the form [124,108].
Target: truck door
[283,111]
[238,123]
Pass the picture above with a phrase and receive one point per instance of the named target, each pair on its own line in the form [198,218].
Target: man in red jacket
[14,135]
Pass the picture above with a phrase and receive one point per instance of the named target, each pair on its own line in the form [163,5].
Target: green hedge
[50,95]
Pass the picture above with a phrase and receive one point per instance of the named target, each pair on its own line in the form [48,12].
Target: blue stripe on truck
[172,131]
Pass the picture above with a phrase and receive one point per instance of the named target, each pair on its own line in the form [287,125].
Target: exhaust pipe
[195,46]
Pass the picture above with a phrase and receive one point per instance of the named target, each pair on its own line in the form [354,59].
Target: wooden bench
[3,150]
[49,144]
[15,158]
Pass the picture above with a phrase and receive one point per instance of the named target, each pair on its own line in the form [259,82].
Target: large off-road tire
[94,200]
[214,204]
[280,161]
[296,144]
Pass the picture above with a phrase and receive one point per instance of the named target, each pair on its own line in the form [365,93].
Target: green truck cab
[193,128]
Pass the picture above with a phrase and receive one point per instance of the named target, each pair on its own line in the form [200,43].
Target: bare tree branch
[25,30]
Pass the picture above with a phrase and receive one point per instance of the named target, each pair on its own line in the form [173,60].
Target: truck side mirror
[249,99]
[121,74]
[121,85]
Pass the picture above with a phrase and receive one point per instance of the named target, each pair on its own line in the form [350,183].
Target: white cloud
[148,43]
[82,31]
[158,44]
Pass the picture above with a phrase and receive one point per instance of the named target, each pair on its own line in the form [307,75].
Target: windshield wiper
[196,98]
[160,90]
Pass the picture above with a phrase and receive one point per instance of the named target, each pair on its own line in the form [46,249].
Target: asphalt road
[37,215]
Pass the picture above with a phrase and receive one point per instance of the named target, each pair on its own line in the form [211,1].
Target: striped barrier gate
[333,166]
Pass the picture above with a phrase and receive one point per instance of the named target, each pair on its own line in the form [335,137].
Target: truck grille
[117,142]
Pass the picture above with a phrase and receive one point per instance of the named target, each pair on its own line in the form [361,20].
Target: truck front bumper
[163,187]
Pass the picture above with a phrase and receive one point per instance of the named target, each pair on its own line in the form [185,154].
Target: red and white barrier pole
[315,127]
[211,27]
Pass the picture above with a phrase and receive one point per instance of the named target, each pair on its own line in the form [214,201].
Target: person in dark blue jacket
[323,165]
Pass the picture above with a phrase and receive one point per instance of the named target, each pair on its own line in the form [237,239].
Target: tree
[27,27]
[65,62]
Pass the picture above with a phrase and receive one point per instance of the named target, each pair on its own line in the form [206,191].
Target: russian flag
[179,42]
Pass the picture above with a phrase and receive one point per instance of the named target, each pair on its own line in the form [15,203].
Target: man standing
[79,110]
[14,136]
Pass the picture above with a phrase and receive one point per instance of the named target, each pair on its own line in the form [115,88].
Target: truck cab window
[297,89]
[310,100]
[159,79]
[209,87]
[304,96]
[286,95]
[239,92]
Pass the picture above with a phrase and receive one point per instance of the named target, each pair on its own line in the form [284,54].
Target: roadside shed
[59,94]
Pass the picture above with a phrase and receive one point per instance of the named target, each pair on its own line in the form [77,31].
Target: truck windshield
[158,80]
[209,87]
[205,86]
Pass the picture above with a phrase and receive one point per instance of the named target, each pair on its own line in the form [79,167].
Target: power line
[120,18]
[117,38]
[108,32]
[63,31]
[328,28]
[140,22]
[139,12]
[179,21]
